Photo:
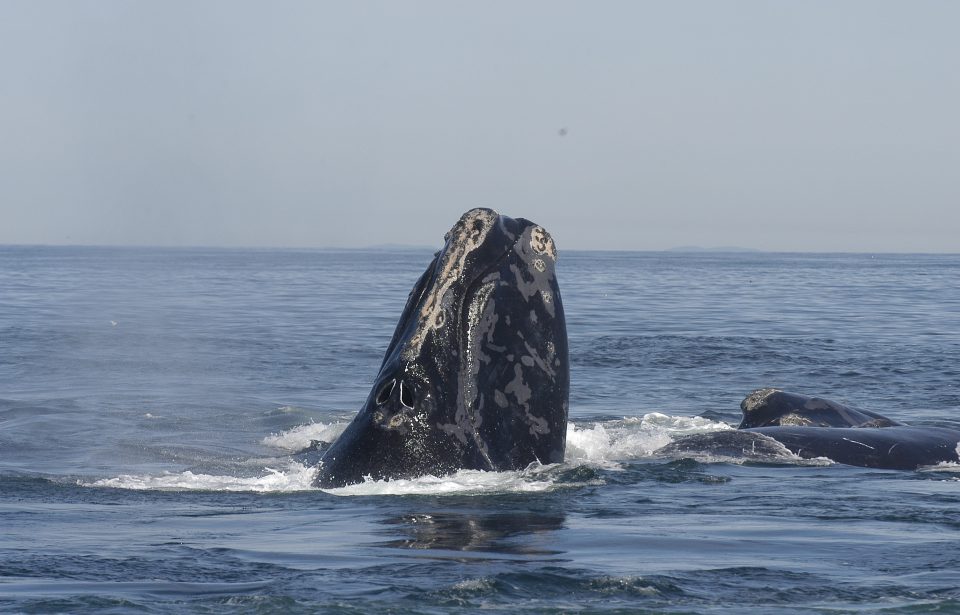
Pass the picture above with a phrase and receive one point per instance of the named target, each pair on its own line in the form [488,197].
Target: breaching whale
[476,375]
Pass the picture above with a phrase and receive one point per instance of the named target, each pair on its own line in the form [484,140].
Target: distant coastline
[390,247]
[716,249]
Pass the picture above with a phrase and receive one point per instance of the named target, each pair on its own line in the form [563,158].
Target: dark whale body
[775,408]
[476,375]
[811,427]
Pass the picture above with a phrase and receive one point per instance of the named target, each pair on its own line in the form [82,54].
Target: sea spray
[602,444]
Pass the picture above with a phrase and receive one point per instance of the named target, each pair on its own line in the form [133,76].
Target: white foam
[631,438]
[296,477]
[946,466]
[299,438]
[535,479]
[601,444]
[943,466]
[479,584]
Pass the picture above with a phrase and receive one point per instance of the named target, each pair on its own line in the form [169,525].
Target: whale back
[773,407]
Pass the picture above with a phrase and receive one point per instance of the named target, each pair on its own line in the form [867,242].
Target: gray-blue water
[153,403]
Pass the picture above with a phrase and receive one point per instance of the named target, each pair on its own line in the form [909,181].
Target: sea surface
[155,405]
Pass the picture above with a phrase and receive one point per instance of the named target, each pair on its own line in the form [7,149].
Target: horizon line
[425,248]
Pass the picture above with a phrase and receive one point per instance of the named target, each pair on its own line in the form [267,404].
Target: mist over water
[160,412]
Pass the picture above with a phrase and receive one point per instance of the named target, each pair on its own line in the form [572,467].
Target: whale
[776,422]
[476,375]
[812,427]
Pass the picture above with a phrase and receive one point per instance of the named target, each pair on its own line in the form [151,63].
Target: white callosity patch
[542,243]
[534,244]
[466,236]
[756,398]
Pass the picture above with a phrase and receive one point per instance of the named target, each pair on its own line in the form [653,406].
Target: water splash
[295,477]
[535,479]
[606,445]
[302,437]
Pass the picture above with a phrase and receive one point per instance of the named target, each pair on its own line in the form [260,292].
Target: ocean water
[155,405]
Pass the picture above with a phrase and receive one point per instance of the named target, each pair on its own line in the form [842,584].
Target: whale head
[476,375]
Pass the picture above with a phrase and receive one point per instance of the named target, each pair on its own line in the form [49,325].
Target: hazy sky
[823,126]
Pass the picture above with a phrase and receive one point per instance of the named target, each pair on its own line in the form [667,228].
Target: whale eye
[406,396]
[385,391]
